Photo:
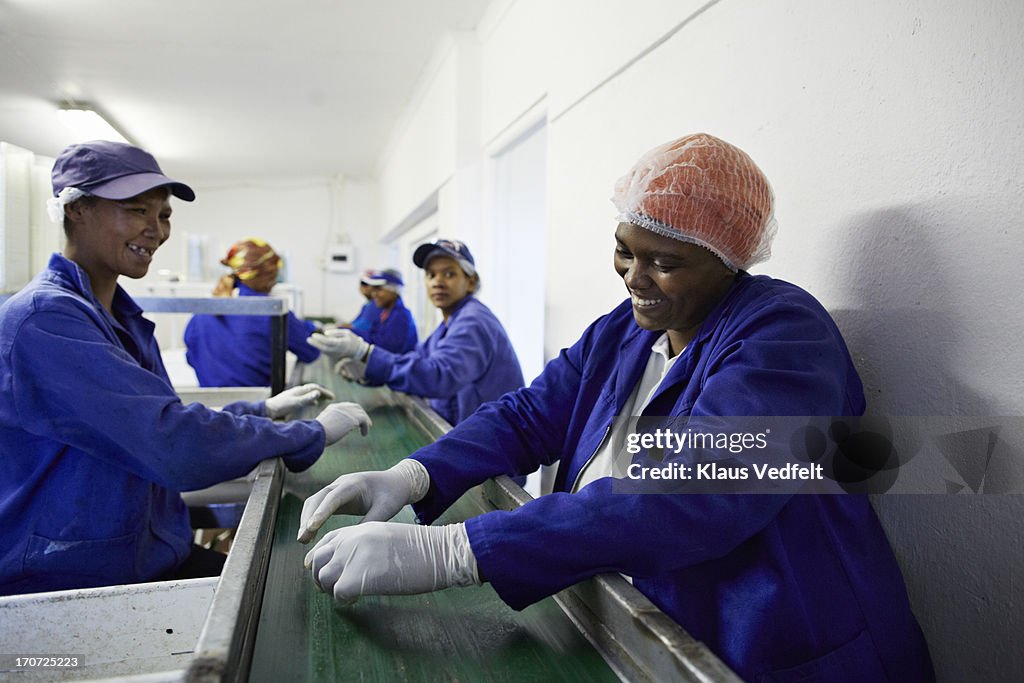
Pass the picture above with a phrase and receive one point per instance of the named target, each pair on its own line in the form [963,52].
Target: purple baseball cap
[112,170]
[445,247]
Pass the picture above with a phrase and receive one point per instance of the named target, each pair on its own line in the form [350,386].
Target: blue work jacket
[234,350]
[367,314]
[392,329]
[465,362]
[780,587]
[95,445]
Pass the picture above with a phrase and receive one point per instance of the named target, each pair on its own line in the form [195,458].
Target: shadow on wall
[961,554]
[903,334]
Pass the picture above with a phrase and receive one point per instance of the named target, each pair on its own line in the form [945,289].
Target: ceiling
[220,89]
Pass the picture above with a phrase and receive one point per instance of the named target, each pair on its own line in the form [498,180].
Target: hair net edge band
[660,228]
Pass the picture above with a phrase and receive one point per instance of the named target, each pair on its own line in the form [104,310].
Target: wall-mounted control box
[340,258]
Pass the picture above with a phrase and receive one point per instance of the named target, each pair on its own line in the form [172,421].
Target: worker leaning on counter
[782,587]
[95,443]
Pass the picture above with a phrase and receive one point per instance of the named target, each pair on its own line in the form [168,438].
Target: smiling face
[447,283]
[384,298]
[673,284]
[109,238]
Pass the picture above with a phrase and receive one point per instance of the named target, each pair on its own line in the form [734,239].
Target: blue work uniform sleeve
[558,540]
[396,333]
[364,320]
[258,408]
[785,358]
[785,364]
[512,435]
[97,398]
[298,332]
[461,357]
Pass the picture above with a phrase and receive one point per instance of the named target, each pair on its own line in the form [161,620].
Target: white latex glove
[351,369]
[388,558]
[340,344]
[290,400]
[378,496]
[339,419]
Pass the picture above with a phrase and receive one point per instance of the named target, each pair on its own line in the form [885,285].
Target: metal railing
[276,308]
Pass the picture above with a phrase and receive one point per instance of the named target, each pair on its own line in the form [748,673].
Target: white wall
[891,132]
[15,214]
[424,148]
[516,216]
[298,217]
[516,58]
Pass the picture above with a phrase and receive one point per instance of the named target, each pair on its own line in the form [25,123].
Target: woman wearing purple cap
[391,325]
[96,444]
[467,361]
[781,585]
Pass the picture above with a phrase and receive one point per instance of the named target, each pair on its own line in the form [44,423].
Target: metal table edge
[224,649]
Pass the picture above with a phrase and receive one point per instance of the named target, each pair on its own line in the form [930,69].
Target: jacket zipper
[579,474]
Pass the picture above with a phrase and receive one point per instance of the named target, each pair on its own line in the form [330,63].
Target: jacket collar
[458,308]
[74,276]
[246,290]
[635,350]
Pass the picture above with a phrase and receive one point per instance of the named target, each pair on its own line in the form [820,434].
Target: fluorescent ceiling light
[85,123]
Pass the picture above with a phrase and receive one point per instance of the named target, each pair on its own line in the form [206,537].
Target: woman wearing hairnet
[780,587]
[96,445]
[234,350]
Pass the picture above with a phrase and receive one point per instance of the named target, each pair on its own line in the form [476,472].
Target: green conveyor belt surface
[460,634]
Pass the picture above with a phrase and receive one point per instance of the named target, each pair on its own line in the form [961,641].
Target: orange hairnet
[703,190]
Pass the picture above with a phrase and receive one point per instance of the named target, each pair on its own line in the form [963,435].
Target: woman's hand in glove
[378,496]
[340,344]
[296,398]
[338,419]
[388,558]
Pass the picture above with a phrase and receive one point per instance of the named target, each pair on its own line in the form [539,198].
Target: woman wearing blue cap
[467,361]
[391,325]
[368,312]
[96,444]
[234,350]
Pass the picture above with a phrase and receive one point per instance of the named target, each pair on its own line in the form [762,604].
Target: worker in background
[235,350]
[467,361]
[779,586]
[393,328]
[368,313]
[96,444]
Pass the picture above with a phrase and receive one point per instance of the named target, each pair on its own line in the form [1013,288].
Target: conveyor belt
[459,634]
[268,622]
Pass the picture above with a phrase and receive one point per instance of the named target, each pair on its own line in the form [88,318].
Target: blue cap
[112,170]
[445,247]
[380,278]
